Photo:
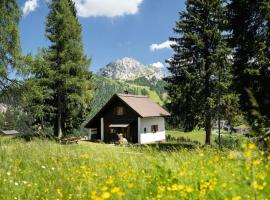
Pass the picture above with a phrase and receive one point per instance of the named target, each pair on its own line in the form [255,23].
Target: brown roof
[141,105]
[144,106]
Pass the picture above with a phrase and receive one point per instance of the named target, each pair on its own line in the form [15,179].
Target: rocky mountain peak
[128,69]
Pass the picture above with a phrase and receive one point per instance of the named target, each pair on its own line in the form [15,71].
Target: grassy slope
[152,94]
[46,170]
[196,135]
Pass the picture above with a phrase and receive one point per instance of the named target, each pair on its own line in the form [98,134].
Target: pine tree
[250,26]
[10,14]
[201,57]
[63,83]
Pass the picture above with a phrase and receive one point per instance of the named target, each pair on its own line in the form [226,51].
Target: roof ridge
[132,95]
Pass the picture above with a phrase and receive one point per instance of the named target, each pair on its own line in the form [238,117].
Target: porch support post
[102,128]
[90,134]
[139,130]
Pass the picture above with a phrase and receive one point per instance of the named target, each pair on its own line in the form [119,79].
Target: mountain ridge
[130,69]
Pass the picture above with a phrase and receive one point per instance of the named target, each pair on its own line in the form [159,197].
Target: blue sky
[112,29]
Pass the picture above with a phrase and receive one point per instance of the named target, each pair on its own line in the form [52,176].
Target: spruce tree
[10,14]
[250,26]
[63,82]
[200,58]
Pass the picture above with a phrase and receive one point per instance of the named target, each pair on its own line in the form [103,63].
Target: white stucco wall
[150,137]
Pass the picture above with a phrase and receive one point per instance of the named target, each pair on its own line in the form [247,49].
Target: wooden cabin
[138,118]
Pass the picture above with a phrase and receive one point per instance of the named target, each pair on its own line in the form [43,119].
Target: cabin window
[154,128]
[119,111]
[144,130]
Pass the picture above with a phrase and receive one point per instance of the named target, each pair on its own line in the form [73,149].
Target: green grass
[47,170]
[196,135]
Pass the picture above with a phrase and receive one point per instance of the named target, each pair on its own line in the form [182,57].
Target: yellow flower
[116,190]
[130,185]
[251,146]
[256,162]
[236,198]
[247,154]
[176,187]
[104,188]
[59,192]
[231,155]
[257,186]
[181,173]
[110,181]
[106,195]
[189,189]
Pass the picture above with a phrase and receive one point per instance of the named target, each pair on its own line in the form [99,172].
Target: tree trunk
[59,118]
[208,130]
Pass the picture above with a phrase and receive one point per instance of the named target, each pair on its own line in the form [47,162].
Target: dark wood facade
[111,118]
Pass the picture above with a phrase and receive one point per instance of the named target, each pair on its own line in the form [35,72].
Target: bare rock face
[128,69]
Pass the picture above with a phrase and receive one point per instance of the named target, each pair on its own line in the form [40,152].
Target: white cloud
[164,45]
[107,8]
[29,6]
[158,65]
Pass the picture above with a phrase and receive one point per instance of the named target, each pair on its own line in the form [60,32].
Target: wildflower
[59,192]
[8,173]
[106,195]
[43,167]
[236,198]
[251,146]
[16,183]
[104,188]
[247,154]
[116,190]
[110,181]
[181,174]
[176,187]
[231,156]
[130,185]
[257,186]
[189,189]
[256,162]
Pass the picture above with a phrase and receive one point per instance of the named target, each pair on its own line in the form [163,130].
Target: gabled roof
[141,105]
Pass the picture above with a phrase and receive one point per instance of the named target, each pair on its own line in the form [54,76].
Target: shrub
[231,142]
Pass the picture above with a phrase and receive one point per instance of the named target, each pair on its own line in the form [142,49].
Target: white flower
[16,183]
[43,167]
[8,173]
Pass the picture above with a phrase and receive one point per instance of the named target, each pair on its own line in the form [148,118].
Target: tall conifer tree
[62,76]
[250,26]
[10,50]
[200,51]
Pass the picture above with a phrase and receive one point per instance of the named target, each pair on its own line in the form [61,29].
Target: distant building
[9,133]
[138,118]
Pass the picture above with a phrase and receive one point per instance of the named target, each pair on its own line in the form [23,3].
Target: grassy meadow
[43,169]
